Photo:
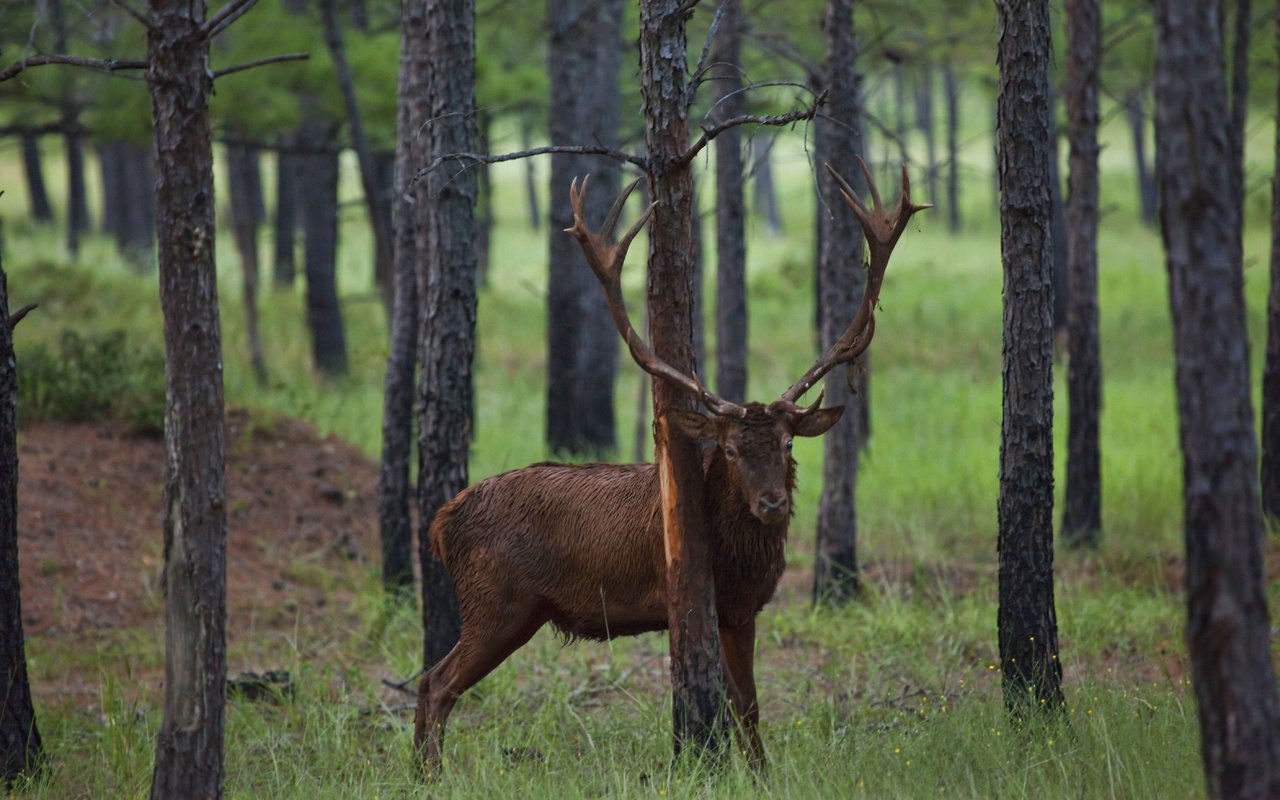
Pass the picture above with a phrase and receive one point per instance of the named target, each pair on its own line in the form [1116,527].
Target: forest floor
[302,528]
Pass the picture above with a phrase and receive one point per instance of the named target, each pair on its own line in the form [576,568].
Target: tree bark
[286,219]
[840,266]
[318,191]
[731,251]
[412,113]
[1082,512]
[447,294]
[1027,621]
[189,746]
[698,716]
[1270,469]
[20,744]
[952,90]
[33,170]
[1228,630]
[242,165]
[584,57]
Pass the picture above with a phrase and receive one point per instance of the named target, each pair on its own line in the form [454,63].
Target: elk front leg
[737,643]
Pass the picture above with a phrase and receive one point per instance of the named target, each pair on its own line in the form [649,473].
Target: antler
[606,262]
[882,229]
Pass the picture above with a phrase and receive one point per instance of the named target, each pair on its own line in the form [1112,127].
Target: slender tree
[318,195]
[1228,630]
[242,165]
[951,89]
[731,254]
[1027,621]
[700,723]
[584,56]
[33,171]
[840,265]
[20,744]
[1082,512]
[1271,371]
[446,296]
[285,221]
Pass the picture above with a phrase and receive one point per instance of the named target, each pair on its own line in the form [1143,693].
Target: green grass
[895,696]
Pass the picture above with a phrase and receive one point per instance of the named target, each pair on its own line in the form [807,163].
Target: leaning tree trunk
[412,114]
[33,171]
[1271,371]
[20,745]
[1082,512]
[447,297]
[731,251]
[584,55]
[1228,630]
[698,715]
[242,164]
[1027,621]
[835,578]
[318,193]
[189,746]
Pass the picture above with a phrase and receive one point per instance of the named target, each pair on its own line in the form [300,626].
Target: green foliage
[93,377]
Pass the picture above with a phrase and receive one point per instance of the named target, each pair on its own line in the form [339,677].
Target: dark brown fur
[581,547]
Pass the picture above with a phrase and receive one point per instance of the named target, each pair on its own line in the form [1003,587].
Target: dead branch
[17,316]
[226,15]
[107,65]
[567,150]
[709,133]
[696,77]
[261,62]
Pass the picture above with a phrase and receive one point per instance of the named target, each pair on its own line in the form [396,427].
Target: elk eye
[788,445]
[730,452]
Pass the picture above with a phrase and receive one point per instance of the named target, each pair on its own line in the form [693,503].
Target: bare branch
[567,150]
[17,316]
[709,133]
[261,62]
[107,65]
[137,14]
[226,15]
[721,7]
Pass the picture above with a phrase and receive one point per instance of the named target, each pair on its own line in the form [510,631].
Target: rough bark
[33,171]
[952,90]
[20,744]
[840,267]
[286,220]
[1228,630]
[242,165]
[731,251]
[318,193]
[1146,180]
[1082,511]
[699,720]
[189,746]
[447,297]
[1027,620]
[412,113]
[584,57]
[1270,468]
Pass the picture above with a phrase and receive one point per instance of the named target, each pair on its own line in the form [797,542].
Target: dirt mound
[301,514]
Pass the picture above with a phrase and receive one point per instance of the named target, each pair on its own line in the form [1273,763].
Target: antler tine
[606,262]
[882,229]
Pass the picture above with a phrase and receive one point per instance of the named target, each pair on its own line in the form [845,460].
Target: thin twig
[226,15]
[17,316]
[137,14]
[709,133]
[696,78]
[107,65]
[260,62]
[568,150]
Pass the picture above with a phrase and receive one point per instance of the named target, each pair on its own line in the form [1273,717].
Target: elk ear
[816,423]
[692,424]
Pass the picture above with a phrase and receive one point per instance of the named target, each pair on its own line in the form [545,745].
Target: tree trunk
[77,201]
[189,746]
[584,57]
[1082,512]
[33,170]
[112,170]
[380,226]
[1271,371]
[925,122]
[1027,621]
[20,745]
[384,176]
[484,201]
[1146,181]
[286,219]
[318,191]
[1239,105]
[953,146]
[1057,224]
[835,578]
[530,173]
[766,195]
[698,304]
[447,294]
[412,113]
[242,164]
[138,216]
[1228,630]
[699,720]
[731,251]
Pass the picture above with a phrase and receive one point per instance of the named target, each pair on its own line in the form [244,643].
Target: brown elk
[581,546]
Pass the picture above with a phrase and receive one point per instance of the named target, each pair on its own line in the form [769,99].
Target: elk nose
[773,505]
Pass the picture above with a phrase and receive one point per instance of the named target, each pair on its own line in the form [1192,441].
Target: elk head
[755,438]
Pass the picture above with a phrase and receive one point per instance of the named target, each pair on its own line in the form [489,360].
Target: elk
[581,546]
